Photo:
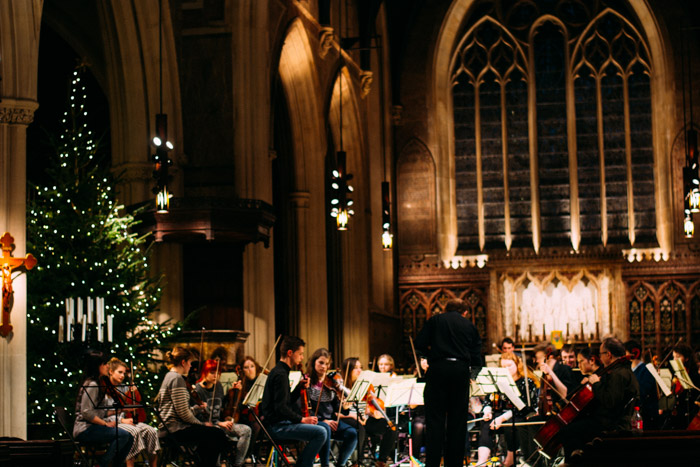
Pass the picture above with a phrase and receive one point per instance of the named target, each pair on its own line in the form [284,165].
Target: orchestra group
[457,424]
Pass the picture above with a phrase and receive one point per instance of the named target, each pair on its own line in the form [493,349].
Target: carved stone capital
[325,41]
[396,114]
[17,111]
[365,83]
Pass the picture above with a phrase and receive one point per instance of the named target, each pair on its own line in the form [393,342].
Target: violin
[234,397]
[376,406]
[304,396]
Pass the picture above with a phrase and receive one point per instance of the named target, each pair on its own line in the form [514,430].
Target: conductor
[453,347]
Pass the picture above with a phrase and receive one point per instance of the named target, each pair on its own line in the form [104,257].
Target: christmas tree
[86,247]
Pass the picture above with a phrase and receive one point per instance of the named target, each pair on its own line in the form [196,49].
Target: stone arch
[300,83]
[416,196]
[354,266]
[441,133]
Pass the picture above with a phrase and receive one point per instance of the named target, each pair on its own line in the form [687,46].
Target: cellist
[614,394]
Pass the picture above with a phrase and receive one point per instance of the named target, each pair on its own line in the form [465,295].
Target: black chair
[87,453]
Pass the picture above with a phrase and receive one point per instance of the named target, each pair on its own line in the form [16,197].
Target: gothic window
[642,312]
[552,127]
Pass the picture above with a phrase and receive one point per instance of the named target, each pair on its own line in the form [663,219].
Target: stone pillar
[251,130]
[19,52]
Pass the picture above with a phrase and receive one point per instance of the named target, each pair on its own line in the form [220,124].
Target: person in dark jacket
[614,395]
[648,396]
[453,347]
[280,409]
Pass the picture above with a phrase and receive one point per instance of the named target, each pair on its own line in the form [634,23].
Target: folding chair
[87,452]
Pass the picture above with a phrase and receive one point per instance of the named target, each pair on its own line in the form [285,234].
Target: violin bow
[201,353]
[524,363]
[551,386]
[415,357]
[343,397]
[213,389]
[272,352]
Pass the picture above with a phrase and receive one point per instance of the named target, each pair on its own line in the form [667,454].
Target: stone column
[15,115]
[20,22]
[251,130]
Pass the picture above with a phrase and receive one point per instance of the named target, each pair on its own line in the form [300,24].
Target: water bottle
[637,424]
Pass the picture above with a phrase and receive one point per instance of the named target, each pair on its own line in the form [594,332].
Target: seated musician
[280,409]
[685,409]
[649,398]
[211,392]
[91,413]
[374,426]
[504,418]
[251,370]
[179,421]
[588,359]
[568,355]
[325,404]
[614,394]
[385,364]
[145,436]
[507,345]
[563,380]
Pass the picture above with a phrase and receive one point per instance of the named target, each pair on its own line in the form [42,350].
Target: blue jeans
[347,435]
[315,436]
[116,437]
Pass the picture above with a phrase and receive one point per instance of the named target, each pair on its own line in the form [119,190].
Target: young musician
[325,404]
[385,364]
[145,436]
[685,408]
[563,380]
[588,359]
[211,392]
[91,424]
[251,370]
[374,426]
[280,410]
[649,398]
[614,396]
[507,345]
[568,355]
[503,421]
[178,419]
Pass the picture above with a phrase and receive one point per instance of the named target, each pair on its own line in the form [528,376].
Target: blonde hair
[115,363]
[389,359]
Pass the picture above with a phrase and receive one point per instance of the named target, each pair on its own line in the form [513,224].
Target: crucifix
[7,265]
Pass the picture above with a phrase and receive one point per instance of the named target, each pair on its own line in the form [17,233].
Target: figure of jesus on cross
[7,265]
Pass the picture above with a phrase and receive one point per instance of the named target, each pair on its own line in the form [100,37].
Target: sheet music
[256,392]
[682,374]
[487,376]
[359,389]
[662,384]
[407,392]
[507,389]
[294,378]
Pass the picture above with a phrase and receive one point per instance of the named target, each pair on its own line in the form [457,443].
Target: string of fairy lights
[83,240]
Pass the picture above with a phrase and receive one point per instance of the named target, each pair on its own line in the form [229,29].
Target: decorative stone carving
[15,112]
[325,41]
[365,83]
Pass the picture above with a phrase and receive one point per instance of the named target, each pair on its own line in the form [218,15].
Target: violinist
[211,392]
[453,347]
[280,409]
[649,398]
[239,412]
[502,422]
[562,378]
[145,436]
[91,424]
[588,359]
[685,408]
[324,398]
[367,422]
[385,364]
[614,394]
[179,421]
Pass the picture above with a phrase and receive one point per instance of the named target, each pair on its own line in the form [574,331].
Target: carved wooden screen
[662,312]
[418,304]
[552,119]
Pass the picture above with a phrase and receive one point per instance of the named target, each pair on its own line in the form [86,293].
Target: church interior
[341,169]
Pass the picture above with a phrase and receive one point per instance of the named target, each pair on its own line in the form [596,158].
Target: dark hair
[507,340]
[176,356]
[311,364]
[456,305]
[349,365]
[591,353]
[568,348]
[92,361]
[634,348]
[290,343]
[547,348]
[614,346]
[690,362]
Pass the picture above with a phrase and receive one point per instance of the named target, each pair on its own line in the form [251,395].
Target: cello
[547,438]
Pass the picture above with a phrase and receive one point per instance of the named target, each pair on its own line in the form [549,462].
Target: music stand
[407,392]
[659,380]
